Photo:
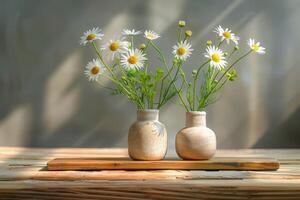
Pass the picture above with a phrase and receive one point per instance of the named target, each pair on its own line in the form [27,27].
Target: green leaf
[159,74]
[232,75]
[132,72]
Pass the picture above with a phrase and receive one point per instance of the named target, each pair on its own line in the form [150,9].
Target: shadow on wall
[286,135]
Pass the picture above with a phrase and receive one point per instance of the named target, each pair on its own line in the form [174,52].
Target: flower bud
[142,46]
[194,72]
[209,42]
[131,72]
[129,45]
[182,73]
[225,54]
[232,75]
[181,23]
[188,33]
[236,48]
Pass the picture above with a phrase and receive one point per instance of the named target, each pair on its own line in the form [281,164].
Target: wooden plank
[36,173]
[251,184]
[23,176]
[192,189]
[216,163]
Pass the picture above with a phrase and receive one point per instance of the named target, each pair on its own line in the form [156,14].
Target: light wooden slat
[216,163]
[35,173]
[251,184]
[207,189]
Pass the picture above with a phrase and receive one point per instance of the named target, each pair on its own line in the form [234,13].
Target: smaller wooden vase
[196,141]
[147,137]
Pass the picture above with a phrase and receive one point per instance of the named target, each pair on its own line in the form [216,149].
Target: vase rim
[196,112]
[147,110]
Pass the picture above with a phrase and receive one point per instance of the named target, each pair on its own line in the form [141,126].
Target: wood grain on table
[215,163]
[23,175]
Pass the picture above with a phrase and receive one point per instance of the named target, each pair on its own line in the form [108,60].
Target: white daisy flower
[227,35]
[130,32]
[182,50]
[133,59]
[91,35]
[255,46]
[151,35]
[94,69]
[216,56]
[114,47]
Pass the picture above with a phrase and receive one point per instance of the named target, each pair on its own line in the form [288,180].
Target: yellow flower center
[95,70]
[114,46]
[150,36]
[227,34]
[133,59]
[91,36]
[215,57]
[181,51]
[255,47]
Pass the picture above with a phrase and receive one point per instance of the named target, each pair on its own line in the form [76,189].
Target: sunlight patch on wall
[15,127]
[162,18]
[290,65]
[252,77]
[215,22]
[62,94]
[113,29]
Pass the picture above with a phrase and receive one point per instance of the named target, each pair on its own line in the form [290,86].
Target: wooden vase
[147,137]
[196,141]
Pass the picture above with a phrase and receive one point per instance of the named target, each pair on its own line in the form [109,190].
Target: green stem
[231,53]
[179,34]
[173,81]
[165,64]
[114,79]
[200,67]
[183,76]
[102,60]
[220,43]
[194,92]
[195,81]
[162,84]
[243,56]
[216,75]
[213,88]
[147,45]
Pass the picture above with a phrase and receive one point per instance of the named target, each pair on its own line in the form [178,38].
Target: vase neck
[195,119]
[147,115]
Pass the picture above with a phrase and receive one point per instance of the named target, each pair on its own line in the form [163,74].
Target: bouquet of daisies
[127,66]
[217,68]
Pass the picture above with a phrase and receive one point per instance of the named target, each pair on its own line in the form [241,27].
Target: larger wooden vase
[195,141]
[147,137]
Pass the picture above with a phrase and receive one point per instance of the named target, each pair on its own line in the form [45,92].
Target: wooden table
[23,176]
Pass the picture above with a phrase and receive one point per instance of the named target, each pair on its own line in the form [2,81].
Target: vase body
[195,141]
[147,137]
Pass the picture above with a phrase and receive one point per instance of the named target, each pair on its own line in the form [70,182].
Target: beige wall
[46,101]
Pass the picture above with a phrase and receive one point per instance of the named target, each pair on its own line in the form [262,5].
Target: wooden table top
[23,175]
